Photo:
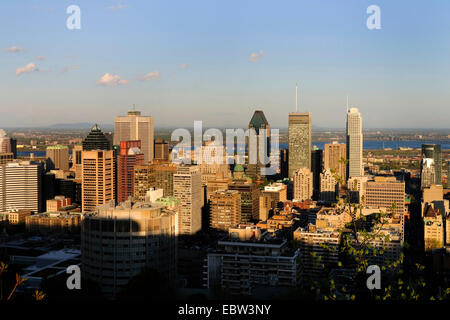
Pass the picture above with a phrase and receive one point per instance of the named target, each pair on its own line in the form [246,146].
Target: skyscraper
[187,187]
[431,157]
[161,150]
[158,175]
[136,127]
[97,173]
[316,169]
[225,209]
[384,192]
[303,184]
[249,199]
[58,157]
[21,186]
[354,143]
[328,186]
[118,241]
[96,140]
[299,142]
[130,155]
[97,178]
[332,155]
[259,123]
[76,160]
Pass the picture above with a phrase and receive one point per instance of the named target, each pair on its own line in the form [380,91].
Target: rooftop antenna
[296,97]
[347,103]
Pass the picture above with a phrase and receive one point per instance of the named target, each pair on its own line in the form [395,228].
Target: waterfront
[368,145]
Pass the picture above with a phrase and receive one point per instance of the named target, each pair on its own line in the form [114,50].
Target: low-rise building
[19,216]
[54,205]
[54,222]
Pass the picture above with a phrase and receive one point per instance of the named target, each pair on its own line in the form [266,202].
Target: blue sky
[181,61]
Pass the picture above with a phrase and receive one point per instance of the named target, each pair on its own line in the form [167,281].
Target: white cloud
[66,69]
[111,80]
[256,56]
[14,49]
[29,68]
[154,75]
[185,66]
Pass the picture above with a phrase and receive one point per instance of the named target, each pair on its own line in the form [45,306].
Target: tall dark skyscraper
[98,170]
[260,124]
[431,165]
[96,140]
[316,169]
[299,142]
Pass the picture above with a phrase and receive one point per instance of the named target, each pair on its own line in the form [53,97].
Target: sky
[218,61]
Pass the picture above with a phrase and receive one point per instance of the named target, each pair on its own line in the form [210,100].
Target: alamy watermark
[262,147]
[74,280]
[374,20]
[73,22]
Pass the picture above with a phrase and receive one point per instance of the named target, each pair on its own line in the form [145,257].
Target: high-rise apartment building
[329,187]
[383,192]
[136,127]
[332,155]
[299,142]
[277,191]
[431,165]
[187,187]
[118,241]
[303,184]
[130,155]
[354,135]
[249,199]
[250,258]
[319,248]
[158,175]
[225,209]
[217,183]
[57,157]
[21,186]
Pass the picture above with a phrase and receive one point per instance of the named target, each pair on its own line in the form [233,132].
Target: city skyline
[247,58]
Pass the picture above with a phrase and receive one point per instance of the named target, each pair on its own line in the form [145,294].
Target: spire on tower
[347,103]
